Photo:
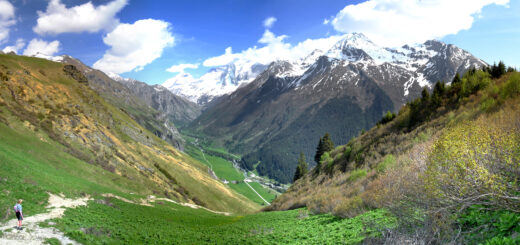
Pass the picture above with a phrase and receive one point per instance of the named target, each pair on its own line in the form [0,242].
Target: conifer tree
[498,70]
[328,145]
[324,145]
[319,151]
[302,168]
[425,96]
[438,92]
[456,79]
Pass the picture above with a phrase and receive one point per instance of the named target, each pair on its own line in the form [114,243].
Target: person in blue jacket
[19,213]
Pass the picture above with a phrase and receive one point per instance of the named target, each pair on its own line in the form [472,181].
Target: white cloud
[275,49]
[224,59]
[268,23]
[20,43]
[7,19]
[135,45]
[82,18]
[38,46]
[397,22]
[269,38]
[180,68]
[326,21]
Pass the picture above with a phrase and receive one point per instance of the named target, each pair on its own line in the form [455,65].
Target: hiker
[19,214]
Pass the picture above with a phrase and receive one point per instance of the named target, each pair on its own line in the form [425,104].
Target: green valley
[232,122]
[221,163]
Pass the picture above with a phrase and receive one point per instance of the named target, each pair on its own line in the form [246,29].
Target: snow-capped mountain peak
[216,82]
[419,64]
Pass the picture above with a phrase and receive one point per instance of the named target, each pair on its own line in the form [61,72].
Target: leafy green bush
[388,117]
[387,162]
[357,174]
[472,83]
[490,227]
[511,88]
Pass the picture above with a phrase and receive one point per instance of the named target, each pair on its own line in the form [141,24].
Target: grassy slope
[116,222]
[44,106]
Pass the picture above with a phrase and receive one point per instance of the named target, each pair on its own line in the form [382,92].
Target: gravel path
[32,233]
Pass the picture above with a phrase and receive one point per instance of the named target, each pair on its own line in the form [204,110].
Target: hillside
[122,97]
[447,166]
[60,136]
[177,109]
[342,91]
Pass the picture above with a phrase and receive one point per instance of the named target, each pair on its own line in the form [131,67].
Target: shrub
[511,88]
[349,208]
[475,163]
[357,174]
[387,162]
[487,104]
[325,158]
[388,117]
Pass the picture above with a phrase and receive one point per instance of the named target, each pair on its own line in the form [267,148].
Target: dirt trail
[150,199]
[32,233]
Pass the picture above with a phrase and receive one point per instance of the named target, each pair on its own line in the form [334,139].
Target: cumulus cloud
[326,21]
[275,48]
[135,45]
[270,38]
[269,22]
[224,59]
[20,43]
[38,46]
[397,22]
[82,18]
[7,19]
[180,68]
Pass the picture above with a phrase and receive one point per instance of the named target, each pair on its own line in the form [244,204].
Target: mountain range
[344,90]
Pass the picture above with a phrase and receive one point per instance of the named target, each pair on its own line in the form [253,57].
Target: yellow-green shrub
[475,162]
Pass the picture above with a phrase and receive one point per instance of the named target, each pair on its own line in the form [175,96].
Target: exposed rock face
[177,109]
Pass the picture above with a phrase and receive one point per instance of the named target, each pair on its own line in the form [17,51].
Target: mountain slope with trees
[446,166]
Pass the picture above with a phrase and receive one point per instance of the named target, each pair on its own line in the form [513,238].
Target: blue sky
[142,39]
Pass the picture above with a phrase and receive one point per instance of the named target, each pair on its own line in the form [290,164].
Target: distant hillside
[342,91]
[124,98]
[177,109]
[59,135]
[447,164]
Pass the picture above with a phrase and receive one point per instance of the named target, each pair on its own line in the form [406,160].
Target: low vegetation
[116,222]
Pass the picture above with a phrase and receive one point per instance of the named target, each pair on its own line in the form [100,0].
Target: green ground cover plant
[117,222]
